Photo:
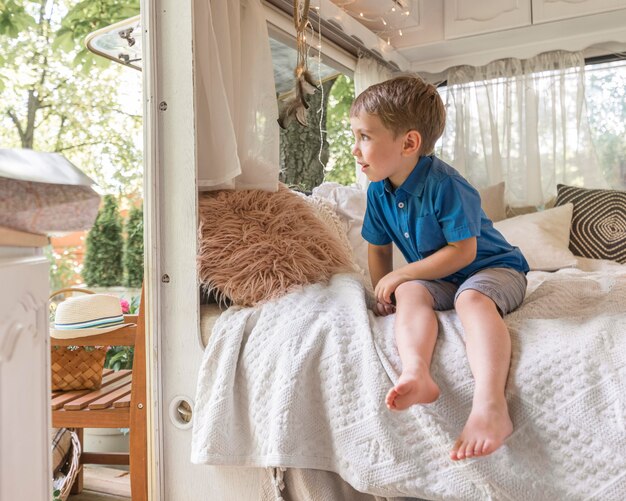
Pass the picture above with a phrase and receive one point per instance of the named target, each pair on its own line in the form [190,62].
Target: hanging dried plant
[305,84]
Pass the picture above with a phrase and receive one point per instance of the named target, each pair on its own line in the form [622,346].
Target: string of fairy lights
[393,19]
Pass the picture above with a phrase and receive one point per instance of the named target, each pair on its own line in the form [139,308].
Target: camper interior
[276,389]
[287,396]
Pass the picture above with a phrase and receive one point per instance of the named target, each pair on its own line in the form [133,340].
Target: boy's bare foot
[413,387]
[485,431]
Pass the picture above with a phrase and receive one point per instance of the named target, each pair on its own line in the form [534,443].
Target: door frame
[171,221]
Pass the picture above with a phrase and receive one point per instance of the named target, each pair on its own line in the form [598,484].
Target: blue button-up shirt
[436,205]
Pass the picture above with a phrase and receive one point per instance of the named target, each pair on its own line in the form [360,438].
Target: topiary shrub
[105,246]
[133,250]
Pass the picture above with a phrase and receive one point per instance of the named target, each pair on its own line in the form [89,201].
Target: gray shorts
[504,286]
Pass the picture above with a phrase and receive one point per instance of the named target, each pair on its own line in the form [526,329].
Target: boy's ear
[412,143]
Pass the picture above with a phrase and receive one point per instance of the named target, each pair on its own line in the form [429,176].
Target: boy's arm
[380,261]
[444,262]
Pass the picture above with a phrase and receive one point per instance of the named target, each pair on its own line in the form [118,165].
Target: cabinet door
[553,10]
[474,17]
[423,25]
[24,380]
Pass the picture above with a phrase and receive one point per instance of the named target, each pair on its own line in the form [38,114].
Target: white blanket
[300,382]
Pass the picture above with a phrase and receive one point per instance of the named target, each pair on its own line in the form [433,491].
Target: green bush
[133,250]
[105,245]
[341,167]
[119,358]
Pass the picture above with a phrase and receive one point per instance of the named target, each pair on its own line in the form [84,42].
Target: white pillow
[349,203]
[543,237]
[492,201]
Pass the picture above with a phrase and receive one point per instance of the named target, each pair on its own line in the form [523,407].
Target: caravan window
[535,129]
[606,106]
[319,150]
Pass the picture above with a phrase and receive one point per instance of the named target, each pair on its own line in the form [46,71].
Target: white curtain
[523,122]
[368,72]
[236,109]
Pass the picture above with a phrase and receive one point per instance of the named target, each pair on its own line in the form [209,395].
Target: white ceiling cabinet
[554,10]
[473,17]
[476,32]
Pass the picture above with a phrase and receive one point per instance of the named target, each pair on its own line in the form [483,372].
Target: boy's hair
[405,103]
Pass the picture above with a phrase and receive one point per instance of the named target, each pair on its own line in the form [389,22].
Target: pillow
[325,212]
[349,203]
[492,201]
[543,237]
[256,245]
[598,224]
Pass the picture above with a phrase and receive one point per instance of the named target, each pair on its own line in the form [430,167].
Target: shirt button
[401,205]
[406,235]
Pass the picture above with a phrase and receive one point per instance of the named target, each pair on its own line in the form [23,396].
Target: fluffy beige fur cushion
[255,246]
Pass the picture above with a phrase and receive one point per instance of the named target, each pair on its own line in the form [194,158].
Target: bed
[309,408]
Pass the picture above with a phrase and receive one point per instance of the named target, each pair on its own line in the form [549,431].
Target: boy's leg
[416,333]
[488,347]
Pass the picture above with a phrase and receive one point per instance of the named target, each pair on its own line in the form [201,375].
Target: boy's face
[379,154]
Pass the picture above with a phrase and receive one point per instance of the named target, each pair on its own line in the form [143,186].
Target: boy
[456,257]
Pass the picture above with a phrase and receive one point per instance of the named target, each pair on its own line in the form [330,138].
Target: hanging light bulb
[383,20]
[361,14]
[388,41]
[400,32]
[393,9]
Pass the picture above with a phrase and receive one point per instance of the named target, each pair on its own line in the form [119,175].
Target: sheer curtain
[368,72]
[523,122]
[236,109]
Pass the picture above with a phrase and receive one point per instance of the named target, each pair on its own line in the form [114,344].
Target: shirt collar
[414,184]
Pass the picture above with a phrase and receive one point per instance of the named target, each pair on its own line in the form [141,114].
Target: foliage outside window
[341,166]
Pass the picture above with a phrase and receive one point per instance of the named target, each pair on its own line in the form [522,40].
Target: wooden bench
[119,403]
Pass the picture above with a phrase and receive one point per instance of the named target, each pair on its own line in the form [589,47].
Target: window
[535,123]
[319,151]
[605,89]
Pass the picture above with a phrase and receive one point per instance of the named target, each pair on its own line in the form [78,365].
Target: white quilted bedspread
[300,382]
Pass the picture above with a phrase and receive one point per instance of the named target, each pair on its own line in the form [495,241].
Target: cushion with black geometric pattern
[598,223]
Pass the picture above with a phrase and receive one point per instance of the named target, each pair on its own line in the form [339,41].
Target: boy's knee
[415,292]
[471,298]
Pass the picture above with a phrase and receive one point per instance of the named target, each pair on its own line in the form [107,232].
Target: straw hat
[87,316]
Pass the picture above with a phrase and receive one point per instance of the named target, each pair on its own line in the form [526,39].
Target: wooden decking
[104,484]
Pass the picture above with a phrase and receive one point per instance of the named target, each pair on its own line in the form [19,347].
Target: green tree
[304,150]
[55,96]
[133,249]
[341,166]
[105,244]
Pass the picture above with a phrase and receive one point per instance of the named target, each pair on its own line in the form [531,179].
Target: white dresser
[24,373]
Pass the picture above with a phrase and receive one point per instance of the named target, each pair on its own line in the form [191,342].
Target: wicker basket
[64,478]
[76,367]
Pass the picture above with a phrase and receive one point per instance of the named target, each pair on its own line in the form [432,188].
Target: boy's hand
[383,309]
[387,286]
